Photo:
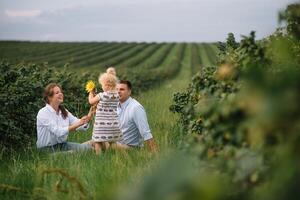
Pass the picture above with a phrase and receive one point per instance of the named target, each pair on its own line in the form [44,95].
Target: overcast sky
[137,20]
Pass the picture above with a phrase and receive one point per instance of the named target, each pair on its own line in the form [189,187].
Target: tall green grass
[30,174]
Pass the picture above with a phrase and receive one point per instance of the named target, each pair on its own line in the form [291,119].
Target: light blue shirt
[133,123]
[52,128]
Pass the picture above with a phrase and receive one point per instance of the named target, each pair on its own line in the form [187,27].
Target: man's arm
[140,119]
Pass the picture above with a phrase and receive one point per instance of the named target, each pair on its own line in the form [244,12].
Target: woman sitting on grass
[54,123]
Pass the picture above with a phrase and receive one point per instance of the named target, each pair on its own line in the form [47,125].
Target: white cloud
[136,20]
[22,13]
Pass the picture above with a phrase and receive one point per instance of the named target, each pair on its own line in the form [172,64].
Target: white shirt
[52,128]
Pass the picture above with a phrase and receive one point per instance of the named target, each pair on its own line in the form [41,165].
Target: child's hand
[92,93]
[90,86]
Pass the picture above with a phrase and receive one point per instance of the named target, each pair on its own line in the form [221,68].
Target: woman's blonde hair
[109,79]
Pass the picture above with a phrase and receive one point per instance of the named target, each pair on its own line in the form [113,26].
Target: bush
[242,117]
[21,88]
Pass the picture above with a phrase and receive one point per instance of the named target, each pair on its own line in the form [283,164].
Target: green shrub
[243,116]
[21,88]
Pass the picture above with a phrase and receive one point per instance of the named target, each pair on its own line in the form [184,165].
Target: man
[133,120]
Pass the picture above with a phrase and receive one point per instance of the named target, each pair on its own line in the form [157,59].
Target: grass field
[235,134]
[30,174]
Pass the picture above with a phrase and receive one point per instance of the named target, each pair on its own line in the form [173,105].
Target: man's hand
[151,145]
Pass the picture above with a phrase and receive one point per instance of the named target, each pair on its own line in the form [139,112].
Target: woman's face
[58,96]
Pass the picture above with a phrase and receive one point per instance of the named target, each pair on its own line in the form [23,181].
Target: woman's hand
[85,119]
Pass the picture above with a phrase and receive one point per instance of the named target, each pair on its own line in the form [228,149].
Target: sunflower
[90,86]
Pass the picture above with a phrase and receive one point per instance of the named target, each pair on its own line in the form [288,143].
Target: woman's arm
[78,123]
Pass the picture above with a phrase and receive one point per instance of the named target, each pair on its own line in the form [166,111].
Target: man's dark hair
[128,83]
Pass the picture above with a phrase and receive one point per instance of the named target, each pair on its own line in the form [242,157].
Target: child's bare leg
[98,148]
[106,145]
[113,145]
[90,142]
[120,146]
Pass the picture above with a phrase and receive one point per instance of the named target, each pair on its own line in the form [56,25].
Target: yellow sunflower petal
[90,85]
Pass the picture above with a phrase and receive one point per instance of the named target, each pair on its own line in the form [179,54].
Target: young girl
[106,126]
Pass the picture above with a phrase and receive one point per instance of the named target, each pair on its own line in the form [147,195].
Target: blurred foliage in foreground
[243,118]
[242,123]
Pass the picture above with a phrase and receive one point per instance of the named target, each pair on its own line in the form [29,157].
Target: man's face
[124,92]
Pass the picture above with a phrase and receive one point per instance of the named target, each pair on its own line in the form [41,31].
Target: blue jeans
[67,146]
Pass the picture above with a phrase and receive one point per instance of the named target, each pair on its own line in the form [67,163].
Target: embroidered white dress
[106,126]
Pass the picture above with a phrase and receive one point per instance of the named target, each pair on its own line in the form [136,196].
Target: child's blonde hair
[110,79]
[111,70]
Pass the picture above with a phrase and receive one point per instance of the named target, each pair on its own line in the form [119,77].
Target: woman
[54,123]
